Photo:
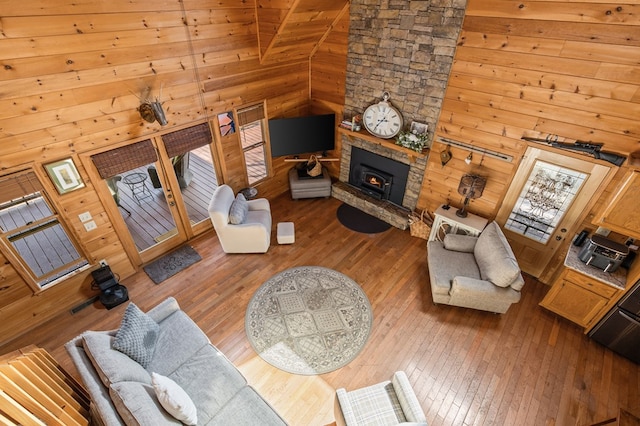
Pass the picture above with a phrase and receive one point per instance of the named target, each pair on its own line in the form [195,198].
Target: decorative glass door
[547,200]
[547,194]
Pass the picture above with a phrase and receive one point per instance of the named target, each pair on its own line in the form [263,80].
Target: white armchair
[253,235]
[391,402]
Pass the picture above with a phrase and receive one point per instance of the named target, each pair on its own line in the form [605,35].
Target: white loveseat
[475,272]
[253,234]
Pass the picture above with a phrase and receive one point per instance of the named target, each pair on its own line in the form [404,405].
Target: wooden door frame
[607,171]
[136,257]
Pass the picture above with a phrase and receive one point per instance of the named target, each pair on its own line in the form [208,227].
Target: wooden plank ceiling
[291,30]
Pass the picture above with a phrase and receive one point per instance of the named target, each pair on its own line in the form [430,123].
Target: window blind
[250,114]
[18,185]
[123,159]
[185,140]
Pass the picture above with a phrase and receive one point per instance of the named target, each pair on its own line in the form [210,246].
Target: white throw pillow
[174,399]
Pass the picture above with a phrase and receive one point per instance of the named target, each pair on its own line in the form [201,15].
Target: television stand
[297,159]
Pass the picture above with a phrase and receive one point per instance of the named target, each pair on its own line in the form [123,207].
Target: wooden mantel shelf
[387,143]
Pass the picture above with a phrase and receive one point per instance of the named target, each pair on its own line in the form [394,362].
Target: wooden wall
[535,68]
[328,75]
[71,78]
[73,73]
[532,68]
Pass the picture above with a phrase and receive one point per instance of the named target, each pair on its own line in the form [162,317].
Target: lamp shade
[471,186]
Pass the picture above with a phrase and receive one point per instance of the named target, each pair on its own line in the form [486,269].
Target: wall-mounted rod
[468,147]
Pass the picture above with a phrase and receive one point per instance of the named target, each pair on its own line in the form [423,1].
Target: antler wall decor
[152,110]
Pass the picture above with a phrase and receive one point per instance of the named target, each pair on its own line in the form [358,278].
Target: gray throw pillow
[137,335]
[494,257]
[238,210]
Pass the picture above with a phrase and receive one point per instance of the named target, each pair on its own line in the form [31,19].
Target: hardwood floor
[526,367]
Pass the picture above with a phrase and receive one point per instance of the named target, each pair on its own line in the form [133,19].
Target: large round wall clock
[382,119]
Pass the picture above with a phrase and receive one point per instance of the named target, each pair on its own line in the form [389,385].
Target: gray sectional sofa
[121,389]
[475,272]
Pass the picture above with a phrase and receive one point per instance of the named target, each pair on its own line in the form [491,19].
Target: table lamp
[471,186]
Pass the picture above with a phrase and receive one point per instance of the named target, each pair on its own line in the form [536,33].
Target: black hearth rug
[171,263]
[359,221]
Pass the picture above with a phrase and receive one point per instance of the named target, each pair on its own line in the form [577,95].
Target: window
[252,138]
[544,200]
[31,229]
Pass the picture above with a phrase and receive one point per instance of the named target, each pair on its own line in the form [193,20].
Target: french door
[549,196]
[160,188]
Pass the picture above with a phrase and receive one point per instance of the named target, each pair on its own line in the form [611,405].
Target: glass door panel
[139,194]
[197,180]
[547,198]
[544,200]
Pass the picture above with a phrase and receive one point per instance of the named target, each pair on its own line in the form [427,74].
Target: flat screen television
[302,135]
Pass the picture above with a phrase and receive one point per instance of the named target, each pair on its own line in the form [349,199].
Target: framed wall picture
[419,128]
[227,125]
[64,175]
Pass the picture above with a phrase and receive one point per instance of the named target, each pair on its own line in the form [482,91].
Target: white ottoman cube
[286,233]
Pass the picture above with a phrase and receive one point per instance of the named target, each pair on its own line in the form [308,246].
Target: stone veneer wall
[404,47]
[417,166]
[384,210]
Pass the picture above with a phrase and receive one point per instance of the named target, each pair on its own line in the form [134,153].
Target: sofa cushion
[482,294]
[455,242]
[238,210]
[494,257]
[236,411]
[180,339]
[210,379]
[111,365]
[174,399]
[445,265]
[137,335]
[518,283]
[138,405]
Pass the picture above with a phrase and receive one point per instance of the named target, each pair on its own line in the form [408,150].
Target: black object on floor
[171,263]
[359,221]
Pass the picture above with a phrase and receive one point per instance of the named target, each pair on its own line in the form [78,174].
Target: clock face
[382,120]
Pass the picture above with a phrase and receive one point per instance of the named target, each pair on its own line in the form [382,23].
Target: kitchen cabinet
[621,212]
[582,293]
[578,298]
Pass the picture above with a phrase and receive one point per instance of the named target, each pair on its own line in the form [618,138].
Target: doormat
[359,221]
[171,263]
[309,320]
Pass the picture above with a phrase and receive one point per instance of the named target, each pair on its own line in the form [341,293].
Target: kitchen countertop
[617,279]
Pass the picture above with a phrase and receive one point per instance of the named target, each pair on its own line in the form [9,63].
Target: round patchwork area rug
[308,320]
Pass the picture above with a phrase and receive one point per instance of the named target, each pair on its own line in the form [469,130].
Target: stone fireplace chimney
[405,48]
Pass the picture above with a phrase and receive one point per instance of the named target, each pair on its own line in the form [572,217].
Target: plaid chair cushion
[376,405]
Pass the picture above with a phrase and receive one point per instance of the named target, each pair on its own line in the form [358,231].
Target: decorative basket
[420,225]
[314,167]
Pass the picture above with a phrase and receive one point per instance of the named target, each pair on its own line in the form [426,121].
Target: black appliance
[603,253]
[302,135]
[619,330]
[112,293]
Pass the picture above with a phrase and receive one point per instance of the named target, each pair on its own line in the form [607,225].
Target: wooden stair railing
[35,390]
